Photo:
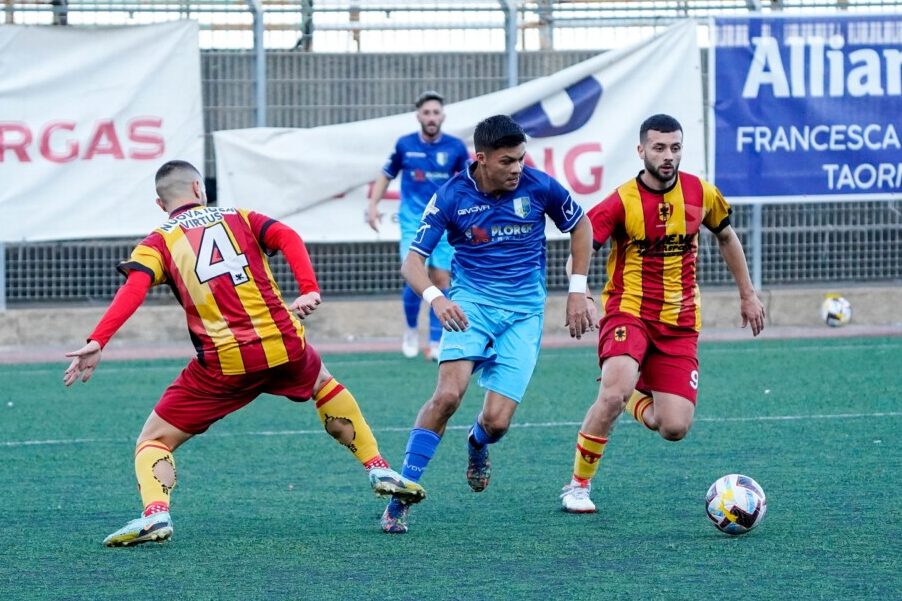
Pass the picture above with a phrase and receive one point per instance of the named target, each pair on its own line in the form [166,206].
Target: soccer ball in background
[735,503]
[836,311]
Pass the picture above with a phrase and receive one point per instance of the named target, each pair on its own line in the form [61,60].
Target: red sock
[155,508]
[376,461]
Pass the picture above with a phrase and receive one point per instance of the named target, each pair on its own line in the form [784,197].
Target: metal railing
[850,241]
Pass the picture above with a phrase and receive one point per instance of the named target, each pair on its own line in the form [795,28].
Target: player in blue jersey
[494,216]
[428,158]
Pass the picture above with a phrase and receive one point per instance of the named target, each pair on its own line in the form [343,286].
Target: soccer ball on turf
[836,311]
[735,503]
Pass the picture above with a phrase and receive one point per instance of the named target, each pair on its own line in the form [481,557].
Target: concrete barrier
[343,320]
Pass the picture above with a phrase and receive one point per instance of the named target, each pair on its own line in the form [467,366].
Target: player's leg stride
[575,496]
[394,518]
[389,482]
[154,527]
[479,467]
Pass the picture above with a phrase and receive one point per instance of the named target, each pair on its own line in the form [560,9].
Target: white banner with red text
[87,115]
[582,122]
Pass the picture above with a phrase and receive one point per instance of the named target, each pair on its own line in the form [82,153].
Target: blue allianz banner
[807,107]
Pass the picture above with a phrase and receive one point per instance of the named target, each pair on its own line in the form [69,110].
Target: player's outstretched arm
[84,362]
[127,300]
[750,306]
[579,316]
[372,208]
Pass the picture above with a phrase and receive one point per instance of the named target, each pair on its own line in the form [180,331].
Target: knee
[446,401]
[673,432]
[495,426]
[611,403]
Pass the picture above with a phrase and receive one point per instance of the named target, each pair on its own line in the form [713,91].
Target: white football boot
[155,527]
[575,499]
[410,343]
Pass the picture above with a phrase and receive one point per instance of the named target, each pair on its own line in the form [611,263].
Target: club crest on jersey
[521,206]
[620,334]
[665,210]
[441,158]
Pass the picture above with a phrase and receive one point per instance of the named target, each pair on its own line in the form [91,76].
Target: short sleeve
[717,209]
[560,206]
[605,217]
[432,225]
[394,164]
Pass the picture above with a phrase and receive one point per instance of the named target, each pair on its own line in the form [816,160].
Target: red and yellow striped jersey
[215,263]
[654,247]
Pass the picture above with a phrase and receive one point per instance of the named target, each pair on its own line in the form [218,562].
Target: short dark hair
[171,166]
[498,131]
[660,122]
[172,178]
[427,96]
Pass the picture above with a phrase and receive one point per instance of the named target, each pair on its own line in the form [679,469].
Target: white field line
[756,418]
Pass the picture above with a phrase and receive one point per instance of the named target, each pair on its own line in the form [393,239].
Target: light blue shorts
[504,344]
[440,257]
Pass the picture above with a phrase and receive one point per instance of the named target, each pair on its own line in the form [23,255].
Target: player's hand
[305,304]
[593,312]
[372,216]
[83,364]
[578,320]
[752,310]
[450,315]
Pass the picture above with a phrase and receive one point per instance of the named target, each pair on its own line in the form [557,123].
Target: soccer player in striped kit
[648,337]
[249,341]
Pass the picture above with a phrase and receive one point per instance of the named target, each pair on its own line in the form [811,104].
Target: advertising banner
[87,115]
[807,108]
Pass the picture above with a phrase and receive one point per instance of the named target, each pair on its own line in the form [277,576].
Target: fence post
[510,41]
[757,251]
[2,276]
[259,62]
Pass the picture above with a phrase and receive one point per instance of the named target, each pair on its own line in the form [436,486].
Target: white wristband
[431,293]
[578,283]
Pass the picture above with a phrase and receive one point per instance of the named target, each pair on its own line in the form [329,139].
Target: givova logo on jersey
[521,206]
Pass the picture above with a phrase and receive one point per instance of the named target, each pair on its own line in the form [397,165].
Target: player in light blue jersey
[494,216]
[426,159]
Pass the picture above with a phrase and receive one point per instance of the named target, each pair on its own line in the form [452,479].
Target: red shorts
[667,356]
[199,396]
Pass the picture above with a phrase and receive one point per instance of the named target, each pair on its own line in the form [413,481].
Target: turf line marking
[756,418]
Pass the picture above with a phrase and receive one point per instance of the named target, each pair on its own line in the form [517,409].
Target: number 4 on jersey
[217,256]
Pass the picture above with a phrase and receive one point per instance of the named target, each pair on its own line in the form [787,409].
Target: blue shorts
[504,344]
[440,257]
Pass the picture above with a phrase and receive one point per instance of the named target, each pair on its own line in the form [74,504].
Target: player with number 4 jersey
[249,341]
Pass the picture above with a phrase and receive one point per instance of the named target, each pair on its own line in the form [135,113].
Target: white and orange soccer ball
[735,503]
[836,311]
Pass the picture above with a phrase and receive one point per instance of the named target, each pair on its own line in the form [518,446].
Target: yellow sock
[637,405]
[155,470]
[589,450]
[341,417]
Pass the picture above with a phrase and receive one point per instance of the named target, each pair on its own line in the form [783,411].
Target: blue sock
[478,437]
[435,326]
[421,447]
[411,305]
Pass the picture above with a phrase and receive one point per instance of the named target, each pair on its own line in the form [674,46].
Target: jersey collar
[184,208]
[676,180]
